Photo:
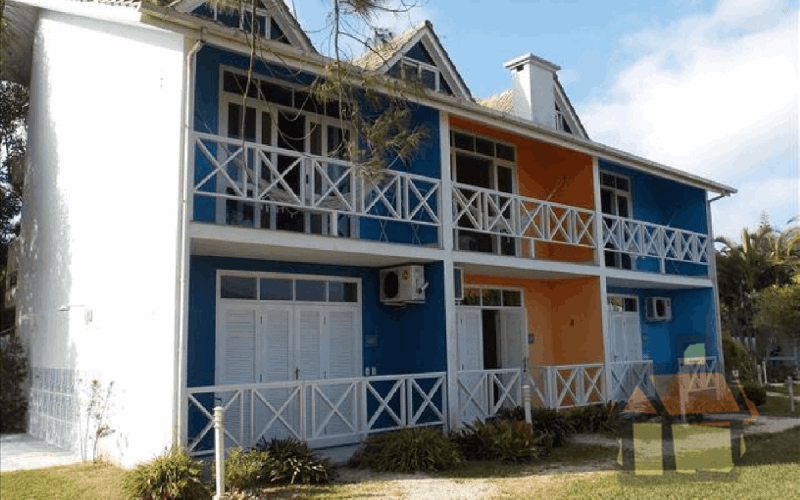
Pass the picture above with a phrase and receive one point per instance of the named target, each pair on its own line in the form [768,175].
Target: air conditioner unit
[404,284]
[658,309]
[458,283]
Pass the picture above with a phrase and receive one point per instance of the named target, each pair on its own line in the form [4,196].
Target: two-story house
[200,241]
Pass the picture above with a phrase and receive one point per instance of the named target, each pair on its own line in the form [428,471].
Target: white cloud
[715,95]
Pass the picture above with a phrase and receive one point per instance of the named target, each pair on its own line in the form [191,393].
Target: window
[289,121]
[265,27]
[623,303]
[615,199]
[248,286]
[487,164]
[426,74]
[492,297]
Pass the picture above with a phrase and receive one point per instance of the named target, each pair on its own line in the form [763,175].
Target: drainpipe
[181,321]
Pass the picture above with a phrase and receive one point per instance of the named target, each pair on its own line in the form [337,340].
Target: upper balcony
[247,184]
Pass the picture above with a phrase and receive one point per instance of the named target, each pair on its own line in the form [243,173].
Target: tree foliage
[13,143]
[757,278]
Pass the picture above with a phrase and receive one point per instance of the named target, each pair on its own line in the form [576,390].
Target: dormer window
[561,121]
[266,26]
[416,71]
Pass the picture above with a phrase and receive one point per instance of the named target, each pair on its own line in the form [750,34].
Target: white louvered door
[275,364]
[341,363]
[239,325]
[473,393]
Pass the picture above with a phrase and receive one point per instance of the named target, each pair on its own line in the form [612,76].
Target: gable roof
[276,8]
[382,59]
[504,102]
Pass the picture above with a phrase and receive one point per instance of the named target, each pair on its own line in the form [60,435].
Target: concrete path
[23,452]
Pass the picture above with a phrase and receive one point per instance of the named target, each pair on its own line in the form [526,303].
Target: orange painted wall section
[563,315]
[547,172]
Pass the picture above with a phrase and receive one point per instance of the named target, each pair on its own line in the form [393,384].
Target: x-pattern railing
[483,393]
[250,172]
[312,410]
[698,374]
[404,402]
[625,376]
[511,215]
[652,240]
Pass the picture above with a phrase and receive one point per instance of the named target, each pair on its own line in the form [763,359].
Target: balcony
[642,246]
[509,220]
[252,185]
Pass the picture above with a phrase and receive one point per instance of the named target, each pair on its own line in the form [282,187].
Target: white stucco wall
[100,218]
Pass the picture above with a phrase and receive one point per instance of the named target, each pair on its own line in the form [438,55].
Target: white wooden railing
[624,376]
[231,169]
[510,215]
[698,374]
[568,386]
[644,239]
[483,393]
[320,412]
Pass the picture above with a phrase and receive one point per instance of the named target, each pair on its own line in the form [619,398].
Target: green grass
[783,390]
[779,448]
[79,481]
[778,406]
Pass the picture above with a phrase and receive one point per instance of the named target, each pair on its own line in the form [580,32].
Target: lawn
[778,406]
[770,468]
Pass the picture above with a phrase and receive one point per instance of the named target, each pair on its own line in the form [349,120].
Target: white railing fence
[320,412]
[510,215]
[698,374]
[268,177]
[569,386]
[483,393]
[644,239]
[624,376]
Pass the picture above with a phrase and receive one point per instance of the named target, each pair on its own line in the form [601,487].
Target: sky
[709,87]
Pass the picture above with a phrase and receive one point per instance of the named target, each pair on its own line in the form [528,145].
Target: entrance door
[513,345]
[624,343]
[473,395]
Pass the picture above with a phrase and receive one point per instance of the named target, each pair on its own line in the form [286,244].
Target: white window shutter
[240,338]
[342,339]
[308,351]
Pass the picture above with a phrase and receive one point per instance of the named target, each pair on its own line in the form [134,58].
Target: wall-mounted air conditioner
[404,284]
[458,283]
[658,309]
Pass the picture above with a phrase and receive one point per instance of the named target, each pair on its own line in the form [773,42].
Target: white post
[526,401]
[219,450]
[790,387]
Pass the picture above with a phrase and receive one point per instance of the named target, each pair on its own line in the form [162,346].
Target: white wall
[100,217]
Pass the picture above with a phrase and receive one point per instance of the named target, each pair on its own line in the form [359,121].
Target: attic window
[561,121]
[428,75]
[266,26]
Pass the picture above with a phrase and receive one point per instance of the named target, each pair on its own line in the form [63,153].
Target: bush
[551,428]
[248,470]
[756,394]
[595,418]
[292,462]
[408,450]
[13,372]
[737,358]
[173,475]
[497,439]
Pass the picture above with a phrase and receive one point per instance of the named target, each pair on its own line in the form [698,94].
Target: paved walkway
[23,452]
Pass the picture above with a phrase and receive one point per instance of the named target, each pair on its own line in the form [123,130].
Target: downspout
[180,424]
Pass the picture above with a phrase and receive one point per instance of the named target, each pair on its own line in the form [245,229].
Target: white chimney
[533,89]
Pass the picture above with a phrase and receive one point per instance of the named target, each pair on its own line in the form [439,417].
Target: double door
[488,339]
[283,345]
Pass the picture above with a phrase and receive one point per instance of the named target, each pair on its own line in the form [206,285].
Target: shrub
[408,450]
[737,358]
[497,439]
[595,418]
[553,424]
[173,475]
[248,470]
[756,394]
[13,372]
[292,462]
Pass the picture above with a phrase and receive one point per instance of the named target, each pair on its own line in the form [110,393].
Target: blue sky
[709,87]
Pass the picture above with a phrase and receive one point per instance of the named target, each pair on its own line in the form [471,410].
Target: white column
[599,258]
[446,233]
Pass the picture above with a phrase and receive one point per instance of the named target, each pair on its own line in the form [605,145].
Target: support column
[446,234]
